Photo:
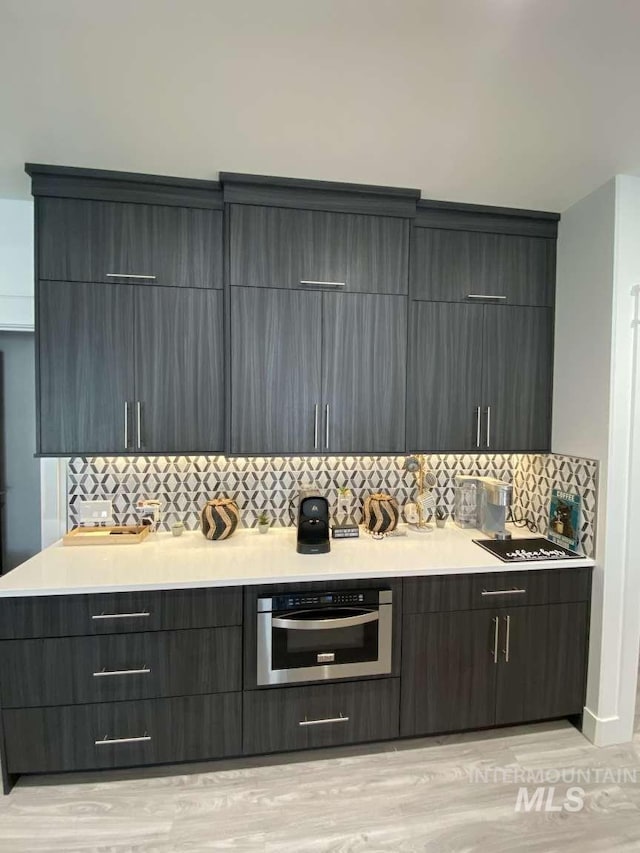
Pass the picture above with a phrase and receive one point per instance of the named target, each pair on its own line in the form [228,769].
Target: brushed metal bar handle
[324,624]
[307,282]
[126,425]
[326,426]
[488,426]
[324,722]
[315,427]
[478,413]
[108,741]
[505,651]
[139,615]
[496,634]
[139,423]
[130,275]
[512,591]
[106,673]
[484,296]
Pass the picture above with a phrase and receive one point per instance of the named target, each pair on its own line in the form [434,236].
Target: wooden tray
[128,534]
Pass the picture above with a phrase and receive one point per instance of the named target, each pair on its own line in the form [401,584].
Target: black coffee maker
[313,524]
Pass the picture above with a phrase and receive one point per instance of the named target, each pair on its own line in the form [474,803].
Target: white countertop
[248,557]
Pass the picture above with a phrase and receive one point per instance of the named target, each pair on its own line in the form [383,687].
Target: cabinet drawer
[324,715]
[119,613]
[496,589]
[77,670]
[123,734]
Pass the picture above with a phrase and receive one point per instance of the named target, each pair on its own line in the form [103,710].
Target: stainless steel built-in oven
[310,636]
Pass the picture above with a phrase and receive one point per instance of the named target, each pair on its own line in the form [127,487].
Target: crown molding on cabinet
[479,217]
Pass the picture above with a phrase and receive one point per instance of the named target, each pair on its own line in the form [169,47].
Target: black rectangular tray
[526,550]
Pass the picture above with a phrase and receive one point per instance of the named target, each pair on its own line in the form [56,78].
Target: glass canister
[465,512]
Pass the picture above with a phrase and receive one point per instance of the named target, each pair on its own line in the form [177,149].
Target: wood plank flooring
[385,798]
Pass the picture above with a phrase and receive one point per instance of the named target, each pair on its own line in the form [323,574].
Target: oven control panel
[348,598]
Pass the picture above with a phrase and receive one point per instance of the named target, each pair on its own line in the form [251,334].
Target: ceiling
[525,103]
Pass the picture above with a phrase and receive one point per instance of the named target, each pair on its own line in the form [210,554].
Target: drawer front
[75,670]
[325,715]
[123,734]
[496,589]
[119,613]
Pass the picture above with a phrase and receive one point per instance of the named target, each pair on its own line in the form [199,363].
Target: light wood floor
[408,796]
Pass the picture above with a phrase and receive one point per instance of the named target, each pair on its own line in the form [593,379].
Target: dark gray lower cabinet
[179,370]
[85,367]
[320,715]
[276,352]
[363,377]
[121,734]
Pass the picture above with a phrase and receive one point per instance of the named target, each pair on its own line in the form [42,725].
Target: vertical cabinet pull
[315,427]
[139,424]
[326,426]
[126,425]
[506,649]
[496,634]
[478,413]
[488,426]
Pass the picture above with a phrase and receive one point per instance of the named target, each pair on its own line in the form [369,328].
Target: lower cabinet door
[542,662]
[288,718]
[123,734]
[449,670]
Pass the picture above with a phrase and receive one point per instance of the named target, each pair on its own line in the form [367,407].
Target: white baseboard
[605,731]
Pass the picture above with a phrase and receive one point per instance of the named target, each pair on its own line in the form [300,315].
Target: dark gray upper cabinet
[128,369]
[85,367]
[518,378]
[444,384]
[276,352]
[107,241]
[284,248]
[364,364]
[458,266]
[179,370]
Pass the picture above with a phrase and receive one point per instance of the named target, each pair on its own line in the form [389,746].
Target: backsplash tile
[185,483]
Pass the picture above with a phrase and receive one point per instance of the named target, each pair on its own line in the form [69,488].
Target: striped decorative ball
[219,518]
[381,513]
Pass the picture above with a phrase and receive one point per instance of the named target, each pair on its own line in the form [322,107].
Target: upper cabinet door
[85,368]
[459,266]
[364,347]
[80,240]
[444,386]
[518,376]
[276,353]
[179,395]
[284,248]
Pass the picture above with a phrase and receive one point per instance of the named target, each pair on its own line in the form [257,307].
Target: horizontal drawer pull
[324,624]
[512,591]
[107,741]
[310,283]
[129,275]
[140,615]
[484,296]
[104,673]
[324,722]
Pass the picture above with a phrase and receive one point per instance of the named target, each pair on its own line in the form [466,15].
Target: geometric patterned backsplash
[269,484]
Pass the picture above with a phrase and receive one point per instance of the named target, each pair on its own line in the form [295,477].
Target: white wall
[598,264]
[16,265]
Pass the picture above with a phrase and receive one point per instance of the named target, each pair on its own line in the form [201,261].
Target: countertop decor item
[219,518]
[115,535]
[425,501]
[177,528]
[264,523]
[381,513]
[441,517]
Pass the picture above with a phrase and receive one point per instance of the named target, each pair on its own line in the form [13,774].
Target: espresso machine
[313,524]
[484,503]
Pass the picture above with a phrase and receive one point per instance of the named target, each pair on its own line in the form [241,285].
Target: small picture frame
[564,519]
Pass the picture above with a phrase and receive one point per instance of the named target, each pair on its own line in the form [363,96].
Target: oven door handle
[324,624]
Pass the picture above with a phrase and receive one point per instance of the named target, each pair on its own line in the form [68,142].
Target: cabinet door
[542,662]
[280,247]
[85,367]
[444,388]
[455,266]
[276,343]
[364,367]
[518,377]
[179,370]
[448,672]
[80,240]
